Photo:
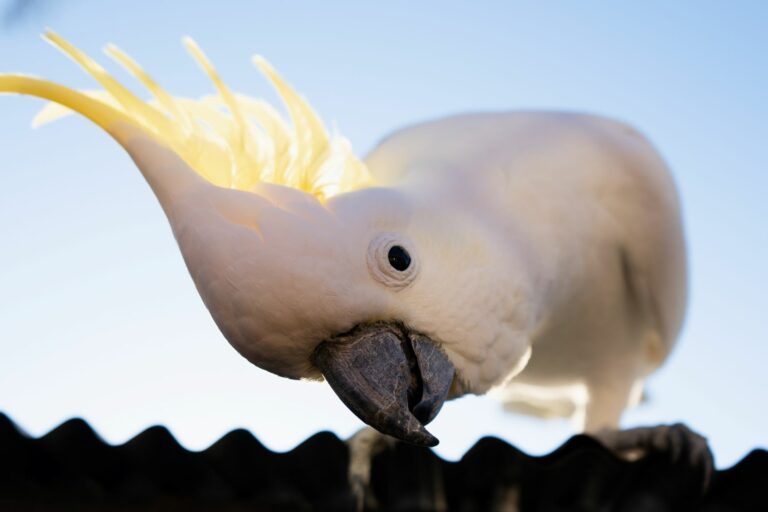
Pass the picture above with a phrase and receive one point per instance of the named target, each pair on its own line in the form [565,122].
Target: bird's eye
[399,258]
[391,260]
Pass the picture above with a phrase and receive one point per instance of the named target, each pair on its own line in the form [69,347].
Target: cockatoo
[539,253]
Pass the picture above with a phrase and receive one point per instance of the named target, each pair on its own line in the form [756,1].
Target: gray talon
[677,441]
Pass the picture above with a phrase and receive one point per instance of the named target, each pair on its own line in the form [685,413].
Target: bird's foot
[677,442]
[363,446]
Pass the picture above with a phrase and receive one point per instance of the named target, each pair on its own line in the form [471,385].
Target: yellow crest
[232,140]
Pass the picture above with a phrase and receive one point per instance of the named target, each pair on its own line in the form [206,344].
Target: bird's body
[540,252]
[587,207]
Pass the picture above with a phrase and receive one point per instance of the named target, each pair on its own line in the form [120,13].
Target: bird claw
[677,442]
[363,447]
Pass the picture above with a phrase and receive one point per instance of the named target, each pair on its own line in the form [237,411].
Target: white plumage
[567,240]
[541,253]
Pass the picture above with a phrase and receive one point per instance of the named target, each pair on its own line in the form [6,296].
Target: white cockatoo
[538,253]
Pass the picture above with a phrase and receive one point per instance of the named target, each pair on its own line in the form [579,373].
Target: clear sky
[99,319]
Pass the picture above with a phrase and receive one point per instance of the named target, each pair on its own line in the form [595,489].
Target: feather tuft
[232,140]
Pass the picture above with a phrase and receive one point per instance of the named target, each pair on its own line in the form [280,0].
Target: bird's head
[369,289]
[308,266]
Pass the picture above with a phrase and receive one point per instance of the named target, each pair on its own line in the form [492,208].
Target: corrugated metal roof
[71,468]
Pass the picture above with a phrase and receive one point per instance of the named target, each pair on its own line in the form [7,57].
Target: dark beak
[392,379]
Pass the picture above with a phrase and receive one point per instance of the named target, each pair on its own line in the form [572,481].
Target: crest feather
[231,140]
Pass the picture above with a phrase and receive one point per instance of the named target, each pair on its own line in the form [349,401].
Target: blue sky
[98,317]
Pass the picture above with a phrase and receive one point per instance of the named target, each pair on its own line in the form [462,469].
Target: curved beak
[394,380]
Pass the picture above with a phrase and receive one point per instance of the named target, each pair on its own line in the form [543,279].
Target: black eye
[399,258]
